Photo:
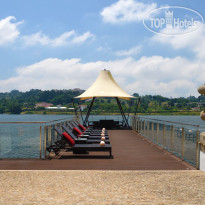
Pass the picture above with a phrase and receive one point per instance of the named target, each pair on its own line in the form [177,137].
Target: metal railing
[50,136]
[27,139]
[180,139]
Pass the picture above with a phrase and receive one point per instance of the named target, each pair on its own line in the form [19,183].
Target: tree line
[16,102]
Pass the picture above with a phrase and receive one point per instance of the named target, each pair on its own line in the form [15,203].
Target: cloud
[66,38]
[82,38]
[149,75]
[9,33]
[9,30]
[126,11]
[131,52]
[193,41]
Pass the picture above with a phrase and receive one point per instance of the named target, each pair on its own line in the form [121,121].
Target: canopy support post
[122,112]
[88,113]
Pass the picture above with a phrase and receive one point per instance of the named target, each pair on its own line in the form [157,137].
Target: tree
[15,108]
[136,95]
[2,109]
[194,105]
[179,105]
[171,103]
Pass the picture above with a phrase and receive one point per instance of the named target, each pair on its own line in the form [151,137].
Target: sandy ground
[102,187]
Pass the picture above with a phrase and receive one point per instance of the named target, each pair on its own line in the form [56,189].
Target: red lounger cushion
[69,138]
[82,127]
[77,131]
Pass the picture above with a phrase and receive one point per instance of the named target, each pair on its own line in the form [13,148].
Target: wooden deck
[130,150]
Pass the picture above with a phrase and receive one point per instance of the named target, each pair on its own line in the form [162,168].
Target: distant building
[56,108]
[43,104]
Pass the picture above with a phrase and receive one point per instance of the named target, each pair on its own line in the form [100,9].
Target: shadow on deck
[130,150]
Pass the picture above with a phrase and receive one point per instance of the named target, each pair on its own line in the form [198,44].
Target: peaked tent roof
[105,86]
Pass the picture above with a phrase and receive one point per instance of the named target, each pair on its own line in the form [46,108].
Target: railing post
[163,135]
[172,138]
[147,128]
[157,132]
[183,141]
[49,134]
[55,133]
[136,125]
[40,142]
[152,131]
[144,128]
[141,127]
[45,143]
[133,123]
[197,149]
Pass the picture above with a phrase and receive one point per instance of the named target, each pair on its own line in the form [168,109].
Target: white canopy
[105,86]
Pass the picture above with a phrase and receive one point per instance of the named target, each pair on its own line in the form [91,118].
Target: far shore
[192,113]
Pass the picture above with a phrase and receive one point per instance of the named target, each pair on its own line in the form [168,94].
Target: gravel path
[81,187]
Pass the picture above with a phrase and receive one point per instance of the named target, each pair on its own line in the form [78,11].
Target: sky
[64,44]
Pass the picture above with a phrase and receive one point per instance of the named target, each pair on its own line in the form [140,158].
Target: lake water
[21,140]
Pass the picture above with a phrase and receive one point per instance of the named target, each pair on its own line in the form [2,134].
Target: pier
[152,162]
[131,151]
[141,172]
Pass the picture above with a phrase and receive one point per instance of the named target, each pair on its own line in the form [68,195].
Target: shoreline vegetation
[102,113]
[60,102]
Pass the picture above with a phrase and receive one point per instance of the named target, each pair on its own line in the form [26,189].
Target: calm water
[31,118]
[22,140]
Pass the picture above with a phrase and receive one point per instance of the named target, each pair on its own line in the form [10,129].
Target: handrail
[22,122]
[169,121]
[182,144]
[33,122]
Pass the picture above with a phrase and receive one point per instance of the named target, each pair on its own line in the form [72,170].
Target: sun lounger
[89,141]
[79,133]
[80,148]
[84,129]
[81,127]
